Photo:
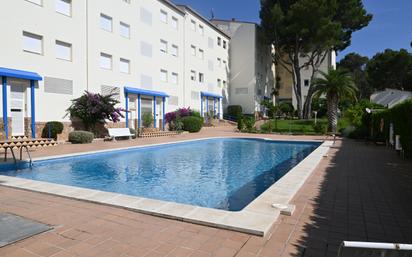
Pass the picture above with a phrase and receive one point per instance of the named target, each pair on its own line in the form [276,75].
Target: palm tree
[336,84]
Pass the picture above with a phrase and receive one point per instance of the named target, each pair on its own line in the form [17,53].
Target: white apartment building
[252,73]
[156,56]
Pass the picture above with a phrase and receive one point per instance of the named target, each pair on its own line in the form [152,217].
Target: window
[163,75]
[201,54]
[63,50]
[124,66]
[126,1]
[175,23]
[201,30]
[193,50]
[201,77]
[175,50]
[224,84]
[219,62]
[175,78]
[163,16]
[64,7]
[105,61]
[193,75]
[224,44]
[124,30]
[163,46]
[224,63]
[38,2]
[219,82]
[219,41]
[210,42]
[110,90]
[193,25]
[306,82]
[106,22]
[32,43]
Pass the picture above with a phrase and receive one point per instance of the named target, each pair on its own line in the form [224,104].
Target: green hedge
[400,116]
[55,127]
[235,111]
[81,137]
[192,123]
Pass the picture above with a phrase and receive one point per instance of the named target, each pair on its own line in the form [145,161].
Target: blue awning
[139,91]
[20,74]
[207,94]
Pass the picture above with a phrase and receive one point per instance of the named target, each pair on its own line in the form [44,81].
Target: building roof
[187,8]
[173,6]
[234,20]
[390,97]
[140,91]
[20,74]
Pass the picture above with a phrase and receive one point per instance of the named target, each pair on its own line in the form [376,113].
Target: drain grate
[15,228]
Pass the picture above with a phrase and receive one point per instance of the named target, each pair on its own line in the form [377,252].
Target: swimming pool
[220,173]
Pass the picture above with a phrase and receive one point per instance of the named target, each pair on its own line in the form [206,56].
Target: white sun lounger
[119,132]
[361,249]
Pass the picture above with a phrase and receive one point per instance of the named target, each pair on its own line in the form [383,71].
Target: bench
[119,132]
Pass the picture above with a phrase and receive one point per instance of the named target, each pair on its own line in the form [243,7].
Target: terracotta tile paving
[359,192]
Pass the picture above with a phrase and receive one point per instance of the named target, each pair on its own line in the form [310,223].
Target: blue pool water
[216,173]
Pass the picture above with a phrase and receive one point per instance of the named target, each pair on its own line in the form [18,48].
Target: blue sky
[391,26]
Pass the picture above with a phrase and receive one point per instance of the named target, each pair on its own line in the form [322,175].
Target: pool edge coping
[257,218]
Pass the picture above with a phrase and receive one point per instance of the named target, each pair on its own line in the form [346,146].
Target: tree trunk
[298,86]
[332,104]
[307,107]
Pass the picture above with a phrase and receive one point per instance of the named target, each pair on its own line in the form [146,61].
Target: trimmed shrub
[192,124]
[147,119]
[55,127]
[249,123]
[235,111]
[286,108]
[240,123]
[81,137]
[319,128]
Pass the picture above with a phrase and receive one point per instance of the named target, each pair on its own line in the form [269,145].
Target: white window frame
[201,54]
[174,78]
[174,50]
[219,82]
[193,25]
[163,46]
[219,62]
[59,43]
[163,16]
[193,75]
[219,41]
[104,17]
[26,48]
[68,12]
[108,56]
[201,30]
[193,50]
[175,23]
[224,44]
[124,61]
[36,2]
[201,77]
[124,27]
[163,75]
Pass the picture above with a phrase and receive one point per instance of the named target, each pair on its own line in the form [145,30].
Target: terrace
[363,199]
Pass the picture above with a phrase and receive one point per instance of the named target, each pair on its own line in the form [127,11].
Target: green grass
[299,126]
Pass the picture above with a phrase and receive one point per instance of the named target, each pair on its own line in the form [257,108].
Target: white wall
[82,29]
[22,15]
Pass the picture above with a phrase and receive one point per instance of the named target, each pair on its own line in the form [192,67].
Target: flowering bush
[174,119]
[93,109]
